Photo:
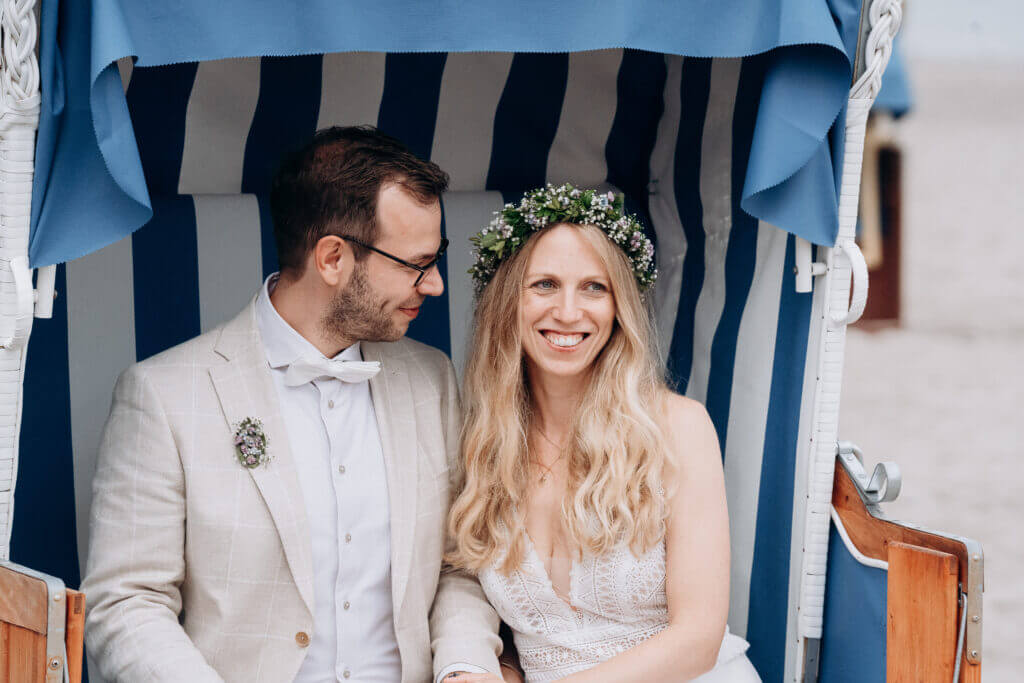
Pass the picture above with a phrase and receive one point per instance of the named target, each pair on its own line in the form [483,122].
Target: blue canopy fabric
[91,190]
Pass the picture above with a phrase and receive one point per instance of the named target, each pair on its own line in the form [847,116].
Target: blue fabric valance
[90,189]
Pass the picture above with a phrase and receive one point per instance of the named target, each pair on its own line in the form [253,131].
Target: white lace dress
[619,602]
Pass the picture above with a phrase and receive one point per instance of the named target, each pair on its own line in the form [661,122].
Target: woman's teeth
[564,340]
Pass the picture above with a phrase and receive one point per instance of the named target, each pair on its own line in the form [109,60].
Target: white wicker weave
[19,116]
[843,263]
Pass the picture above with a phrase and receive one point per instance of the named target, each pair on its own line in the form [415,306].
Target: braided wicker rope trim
[20,75]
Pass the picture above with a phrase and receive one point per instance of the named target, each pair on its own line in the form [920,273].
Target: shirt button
[346,605]
[330,404]
[341,469]
[346,673]
[302,638]
[348,538]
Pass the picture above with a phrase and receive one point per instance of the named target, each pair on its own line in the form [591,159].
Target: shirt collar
[282,342]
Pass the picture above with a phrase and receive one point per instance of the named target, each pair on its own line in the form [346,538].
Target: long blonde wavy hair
[617,455]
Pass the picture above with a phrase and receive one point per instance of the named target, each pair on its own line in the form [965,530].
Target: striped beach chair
[739,149]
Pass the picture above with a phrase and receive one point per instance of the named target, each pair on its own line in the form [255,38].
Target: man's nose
[432,284]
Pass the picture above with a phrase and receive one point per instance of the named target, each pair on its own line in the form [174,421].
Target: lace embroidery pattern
[551,662]
[619,601]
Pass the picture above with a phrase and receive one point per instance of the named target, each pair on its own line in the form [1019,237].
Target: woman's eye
[595,287]
[544,285]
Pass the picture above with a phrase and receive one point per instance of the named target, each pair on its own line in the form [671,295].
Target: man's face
[380,299]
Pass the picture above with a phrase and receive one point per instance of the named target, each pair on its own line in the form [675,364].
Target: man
[270,497]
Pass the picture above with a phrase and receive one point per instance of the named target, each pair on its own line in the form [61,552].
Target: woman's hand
[508,675]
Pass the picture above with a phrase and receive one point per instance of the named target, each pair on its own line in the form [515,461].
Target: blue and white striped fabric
[675,134]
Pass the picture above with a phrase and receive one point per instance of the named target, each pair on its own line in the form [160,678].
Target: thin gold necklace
[544,477]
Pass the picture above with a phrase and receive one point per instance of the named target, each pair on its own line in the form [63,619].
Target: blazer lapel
[396,420]
[246,389]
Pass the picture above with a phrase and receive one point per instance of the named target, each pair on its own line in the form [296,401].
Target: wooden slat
[921,615]
[22,655]
[22,601]
[873,537]
[74,635]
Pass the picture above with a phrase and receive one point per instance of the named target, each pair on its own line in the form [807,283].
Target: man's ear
[333,260]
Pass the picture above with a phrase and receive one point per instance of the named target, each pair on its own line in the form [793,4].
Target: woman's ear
[333,259]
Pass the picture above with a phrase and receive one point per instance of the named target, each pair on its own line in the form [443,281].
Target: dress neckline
[567,607]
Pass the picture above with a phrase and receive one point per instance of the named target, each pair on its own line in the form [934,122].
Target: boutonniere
[251,443]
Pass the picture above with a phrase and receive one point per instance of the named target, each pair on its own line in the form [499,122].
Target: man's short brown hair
[330,187]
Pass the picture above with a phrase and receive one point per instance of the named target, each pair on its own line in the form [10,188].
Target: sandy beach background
[943,394]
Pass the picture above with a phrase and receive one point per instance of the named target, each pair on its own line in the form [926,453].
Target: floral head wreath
[512,226]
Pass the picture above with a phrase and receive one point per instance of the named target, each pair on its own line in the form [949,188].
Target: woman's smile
[564,341]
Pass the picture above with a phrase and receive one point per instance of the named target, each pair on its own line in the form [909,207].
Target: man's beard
[358,314]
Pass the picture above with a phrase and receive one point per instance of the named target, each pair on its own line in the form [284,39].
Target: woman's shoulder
[682,414]
[690,432]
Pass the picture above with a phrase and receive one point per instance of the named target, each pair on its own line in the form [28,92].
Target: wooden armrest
[927,572]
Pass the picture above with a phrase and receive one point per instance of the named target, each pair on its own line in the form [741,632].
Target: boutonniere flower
[251,443]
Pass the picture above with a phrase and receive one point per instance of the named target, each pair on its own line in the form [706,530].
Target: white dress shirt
[333,434]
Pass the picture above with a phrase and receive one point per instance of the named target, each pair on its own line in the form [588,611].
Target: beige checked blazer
[200,570]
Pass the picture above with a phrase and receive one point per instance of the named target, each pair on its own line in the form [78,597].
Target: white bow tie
[312,367]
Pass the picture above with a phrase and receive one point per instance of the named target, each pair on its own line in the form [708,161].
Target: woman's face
[566,309]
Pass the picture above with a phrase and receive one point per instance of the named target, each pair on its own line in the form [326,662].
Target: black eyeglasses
[422,270]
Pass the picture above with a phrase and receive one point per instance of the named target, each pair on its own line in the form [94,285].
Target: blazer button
[302,638]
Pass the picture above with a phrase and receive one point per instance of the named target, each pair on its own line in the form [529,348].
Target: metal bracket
[962,601]
[975,588]
[883,486]
[812,659]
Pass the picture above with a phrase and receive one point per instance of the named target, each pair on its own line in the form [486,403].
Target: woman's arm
[697,562]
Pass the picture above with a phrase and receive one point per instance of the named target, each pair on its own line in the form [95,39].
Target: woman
[592,501]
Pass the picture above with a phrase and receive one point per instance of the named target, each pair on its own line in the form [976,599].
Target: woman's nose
[567,308]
